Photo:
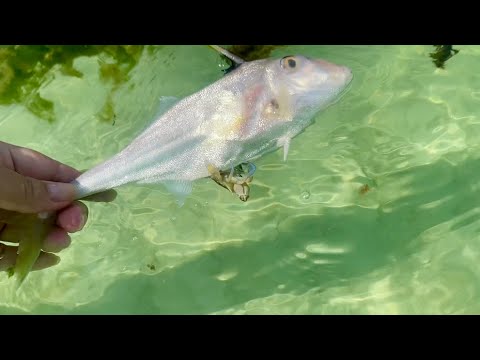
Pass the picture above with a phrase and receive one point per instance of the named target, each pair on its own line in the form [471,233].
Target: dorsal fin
[228,54]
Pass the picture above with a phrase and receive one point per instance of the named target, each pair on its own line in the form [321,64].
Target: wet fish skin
[255,109]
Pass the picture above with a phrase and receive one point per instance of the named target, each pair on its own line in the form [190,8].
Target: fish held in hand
[254,109]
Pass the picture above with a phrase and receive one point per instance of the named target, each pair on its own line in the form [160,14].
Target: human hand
[31,183]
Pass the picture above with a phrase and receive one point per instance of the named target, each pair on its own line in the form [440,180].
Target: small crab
[236,180]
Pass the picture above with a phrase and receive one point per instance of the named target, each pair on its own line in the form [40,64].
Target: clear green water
[309,241]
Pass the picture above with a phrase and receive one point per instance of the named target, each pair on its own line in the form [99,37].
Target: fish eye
[288,62]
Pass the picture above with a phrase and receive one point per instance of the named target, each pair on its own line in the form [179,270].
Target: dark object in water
[252,52]
[442,54]
[364,189]
[248,53]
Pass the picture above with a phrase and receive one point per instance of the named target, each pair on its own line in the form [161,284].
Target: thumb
[27,195]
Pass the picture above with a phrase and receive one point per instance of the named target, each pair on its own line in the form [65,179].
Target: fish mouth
[349,82]
[345,75]
[338,72]
[339,76]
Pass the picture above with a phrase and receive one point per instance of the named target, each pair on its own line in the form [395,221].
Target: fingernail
[59,191]
[80,223]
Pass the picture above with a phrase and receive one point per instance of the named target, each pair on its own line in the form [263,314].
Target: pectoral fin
[285,142]
[180,189]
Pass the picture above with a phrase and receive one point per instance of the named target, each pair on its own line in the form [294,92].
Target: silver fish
[254,109]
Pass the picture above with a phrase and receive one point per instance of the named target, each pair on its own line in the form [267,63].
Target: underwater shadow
[309,252]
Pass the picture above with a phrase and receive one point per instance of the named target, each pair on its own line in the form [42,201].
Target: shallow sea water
[311,239]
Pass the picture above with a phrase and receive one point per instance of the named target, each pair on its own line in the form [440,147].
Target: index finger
[33,164]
